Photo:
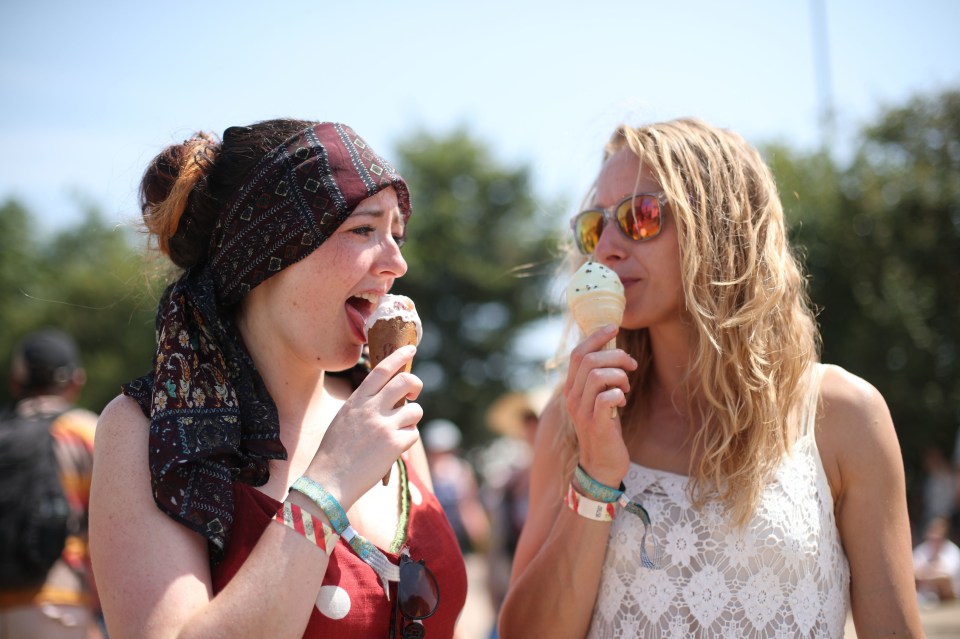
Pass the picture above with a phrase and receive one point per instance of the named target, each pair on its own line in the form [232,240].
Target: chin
[344,361]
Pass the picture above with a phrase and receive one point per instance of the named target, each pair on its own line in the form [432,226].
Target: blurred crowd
[484,491]
[936,555]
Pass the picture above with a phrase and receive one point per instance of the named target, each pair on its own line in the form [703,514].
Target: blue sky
[92,90]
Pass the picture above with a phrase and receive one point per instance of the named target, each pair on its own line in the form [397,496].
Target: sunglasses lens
[587,229]
[639,217]
[417,592]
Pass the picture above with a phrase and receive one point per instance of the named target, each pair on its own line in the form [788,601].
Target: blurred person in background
[936,564]
[455,485]
[505,492]
[939,487]
[46,378]
[955,462]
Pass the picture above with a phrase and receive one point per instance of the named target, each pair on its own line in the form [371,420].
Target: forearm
[273,593]
[555,593]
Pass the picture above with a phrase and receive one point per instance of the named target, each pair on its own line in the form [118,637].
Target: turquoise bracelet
[327,502]
[598,492]
[595,490]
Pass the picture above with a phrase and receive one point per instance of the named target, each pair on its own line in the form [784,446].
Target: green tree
[17,265]
[479,259]
[88,281]
[882,243]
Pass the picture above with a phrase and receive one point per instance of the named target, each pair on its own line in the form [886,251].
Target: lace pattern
[784,575]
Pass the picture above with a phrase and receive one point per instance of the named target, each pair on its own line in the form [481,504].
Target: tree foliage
[882,243]
[479,258]
[87,281]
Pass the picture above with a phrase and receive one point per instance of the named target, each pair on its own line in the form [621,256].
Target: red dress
[351,603]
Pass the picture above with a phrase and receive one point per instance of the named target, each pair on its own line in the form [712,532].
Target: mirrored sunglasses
[639,217]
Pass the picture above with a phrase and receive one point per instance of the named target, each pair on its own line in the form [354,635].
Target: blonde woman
[755,492]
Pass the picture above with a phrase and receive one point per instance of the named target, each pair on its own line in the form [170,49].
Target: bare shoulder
[121,423]
[852,409]
[854,429]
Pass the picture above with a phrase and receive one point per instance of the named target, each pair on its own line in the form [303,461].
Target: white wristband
[588,508]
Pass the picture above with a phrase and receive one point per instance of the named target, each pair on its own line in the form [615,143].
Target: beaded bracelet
[589,508]
[292,516]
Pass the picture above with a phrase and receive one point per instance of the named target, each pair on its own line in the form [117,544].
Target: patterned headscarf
[212,421]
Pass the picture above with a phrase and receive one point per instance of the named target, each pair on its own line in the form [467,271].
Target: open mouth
[364,304]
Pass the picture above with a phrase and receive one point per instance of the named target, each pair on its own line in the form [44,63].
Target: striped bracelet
[292,516]
[370,554]
[589,508]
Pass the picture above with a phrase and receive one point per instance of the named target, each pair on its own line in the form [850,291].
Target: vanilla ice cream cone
[600,308]
[596,299]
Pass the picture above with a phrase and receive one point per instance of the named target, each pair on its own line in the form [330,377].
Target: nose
[391,260]
[611,245]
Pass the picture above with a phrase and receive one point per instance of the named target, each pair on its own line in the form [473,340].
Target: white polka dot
[333,602]
[415,495]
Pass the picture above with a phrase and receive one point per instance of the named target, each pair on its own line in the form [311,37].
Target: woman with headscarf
[237,488]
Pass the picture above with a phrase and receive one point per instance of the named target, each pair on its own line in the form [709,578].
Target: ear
[77,381]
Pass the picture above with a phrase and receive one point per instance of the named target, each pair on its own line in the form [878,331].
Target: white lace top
[784,575]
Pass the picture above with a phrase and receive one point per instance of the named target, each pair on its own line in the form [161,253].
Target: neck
[295,384]
[42,404]
[670,351]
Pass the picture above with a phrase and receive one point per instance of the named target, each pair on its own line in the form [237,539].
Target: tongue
[356,316]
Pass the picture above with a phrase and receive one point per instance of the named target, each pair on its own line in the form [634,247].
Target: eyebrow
[371,212]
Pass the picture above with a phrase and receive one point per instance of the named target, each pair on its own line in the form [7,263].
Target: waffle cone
[387,335]
[383,338]
[596,310]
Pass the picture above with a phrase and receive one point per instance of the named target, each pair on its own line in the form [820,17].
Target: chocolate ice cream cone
[387,335]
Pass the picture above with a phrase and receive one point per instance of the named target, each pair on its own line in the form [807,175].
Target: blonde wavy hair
[754,335]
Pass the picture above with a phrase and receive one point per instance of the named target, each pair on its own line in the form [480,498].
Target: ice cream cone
[389,334]
[393,324]
[596,310]
[596,299]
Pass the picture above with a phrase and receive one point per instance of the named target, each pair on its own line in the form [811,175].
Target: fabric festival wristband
[316,531]
[370,554]
[326,502]
[589,508]
[632,507]
[594,489]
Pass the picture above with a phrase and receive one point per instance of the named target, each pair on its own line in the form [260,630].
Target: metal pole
[821,56]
